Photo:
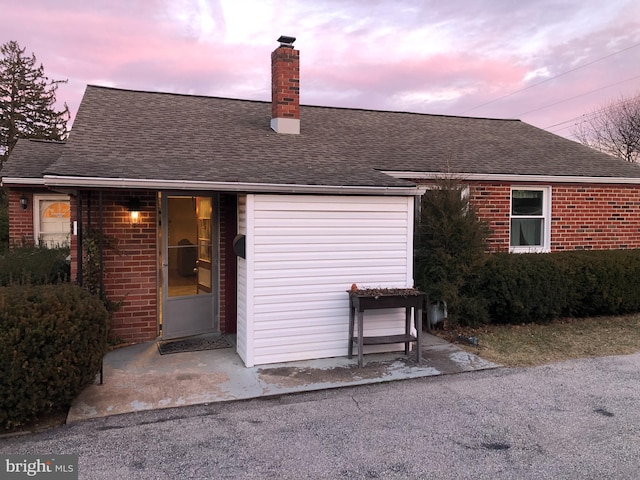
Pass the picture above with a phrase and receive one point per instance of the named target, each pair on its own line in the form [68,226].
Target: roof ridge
[362,109]
[44,140]
[305,106]
[175,94]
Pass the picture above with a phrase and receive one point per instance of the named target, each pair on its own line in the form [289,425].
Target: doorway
[188,265]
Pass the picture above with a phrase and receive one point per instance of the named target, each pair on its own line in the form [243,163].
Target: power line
[550,78]
[585,116]
[577,96]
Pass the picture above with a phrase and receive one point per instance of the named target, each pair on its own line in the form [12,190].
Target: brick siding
[21,221]
[583,216]
[131,269]
[130,260]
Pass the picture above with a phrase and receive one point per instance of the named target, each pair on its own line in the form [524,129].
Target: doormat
[194,344]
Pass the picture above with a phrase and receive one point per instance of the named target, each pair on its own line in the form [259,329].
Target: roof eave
[156,184]
[498,177]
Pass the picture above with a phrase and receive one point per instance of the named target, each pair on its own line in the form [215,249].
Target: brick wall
[130,265]
[583,216]
[595,217]
[285,83]
[130,269]
[20,221]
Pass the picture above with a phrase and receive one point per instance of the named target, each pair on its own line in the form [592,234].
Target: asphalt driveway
[578,419]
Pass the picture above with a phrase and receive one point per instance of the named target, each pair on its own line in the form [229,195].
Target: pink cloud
[357,53]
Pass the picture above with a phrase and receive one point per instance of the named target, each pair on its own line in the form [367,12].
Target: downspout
[79,239]
[100,245]
[89,212]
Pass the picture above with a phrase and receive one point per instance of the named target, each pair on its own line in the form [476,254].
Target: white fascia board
[22,181]
[151,184]
[498,177]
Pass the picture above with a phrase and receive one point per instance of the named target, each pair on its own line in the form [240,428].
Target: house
[37,214]
[254,218]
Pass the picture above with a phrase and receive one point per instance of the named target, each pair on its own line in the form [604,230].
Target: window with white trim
[530,219]
[51,220]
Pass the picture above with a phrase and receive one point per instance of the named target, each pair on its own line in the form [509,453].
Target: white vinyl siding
[305,252]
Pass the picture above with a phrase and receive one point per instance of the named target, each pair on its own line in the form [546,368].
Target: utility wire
[587,116]
[577,96]
[550,78]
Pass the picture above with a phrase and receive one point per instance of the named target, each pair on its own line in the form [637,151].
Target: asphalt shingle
[146,135]
[30,158]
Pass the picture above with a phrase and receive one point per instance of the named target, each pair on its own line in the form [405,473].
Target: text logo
[51,467]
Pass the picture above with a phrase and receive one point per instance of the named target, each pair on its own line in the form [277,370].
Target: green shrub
[510,288]
[603,283]
[449,243]
[34,265]
[52,340]
[522,288]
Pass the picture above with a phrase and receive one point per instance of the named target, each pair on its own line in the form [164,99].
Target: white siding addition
[303,253]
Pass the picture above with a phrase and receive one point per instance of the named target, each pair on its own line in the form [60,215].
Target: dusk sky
[546,62]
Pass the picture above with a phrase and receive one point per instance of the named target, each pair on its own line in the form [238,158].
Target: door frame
[167,303]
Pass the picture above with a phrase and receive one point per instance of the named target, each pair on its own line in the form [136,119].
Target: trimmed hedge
[514,288]
[52,340]
[34,265]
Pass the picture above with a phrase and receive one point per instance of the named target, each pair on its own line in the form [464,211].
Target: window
[51,220]
[530,213]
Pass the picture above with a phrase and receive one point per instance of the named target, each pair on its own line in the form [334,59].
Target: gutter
[152,184]
[22,181]
[499,177]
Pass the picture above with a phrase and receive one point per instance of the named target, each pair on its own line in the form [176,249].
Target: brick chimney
[285,87]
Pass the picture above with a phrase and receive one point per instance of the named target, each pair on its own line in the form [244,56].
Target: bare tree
[613,129]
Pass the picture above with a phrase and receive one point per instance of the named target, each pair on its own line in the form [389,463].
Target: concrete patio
[138,378]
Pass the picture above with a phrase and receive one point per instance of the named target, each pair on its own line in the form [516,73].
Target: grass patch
[565,339]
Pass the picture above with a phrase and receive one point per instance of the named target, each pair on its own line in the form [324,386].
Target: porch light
[134,209]
[24,203]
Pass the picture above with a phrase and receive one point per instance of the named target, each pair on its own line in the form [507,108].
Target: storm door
[188,266]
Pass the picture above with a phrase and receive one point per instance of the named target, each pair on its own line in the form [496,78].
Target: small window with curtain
[51,220]
[530,220]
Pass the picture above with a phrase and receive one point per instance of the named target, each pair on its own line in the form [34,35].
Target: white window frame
[545,217]
[37,198]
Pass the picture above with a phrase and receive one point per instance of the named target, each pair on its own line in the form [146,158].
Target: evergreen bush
[34,265]
[449,243]
[52,340]
[524,288]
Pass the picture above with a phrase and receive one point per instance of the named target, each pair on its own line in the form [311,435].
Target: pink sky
[433,56]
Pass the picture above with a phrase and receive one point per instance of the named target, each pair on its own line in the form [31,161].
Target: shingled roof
[136,135]
[30,158]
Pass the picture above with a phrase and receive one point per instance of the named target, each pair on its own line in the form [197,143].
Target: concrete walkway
[138,378]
